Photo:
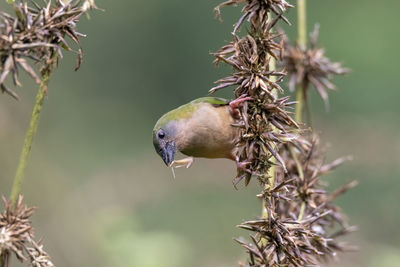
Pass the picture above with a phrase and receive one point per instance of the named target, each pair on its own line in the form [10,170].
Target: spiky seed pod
[266,126]
[250,56]
[250,60]
[298,228]
[37,256]
[256,11]
[15,226]
[310,66]
[36,34]
[16,235]
[285,239]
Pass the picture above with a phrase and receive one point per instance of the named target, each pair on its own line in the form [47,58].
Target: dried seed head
[38,34]
[38,257]
[5,239]
[256,11]
[310,66]
[250,57]
[16,235]
[15,226]
[302,224]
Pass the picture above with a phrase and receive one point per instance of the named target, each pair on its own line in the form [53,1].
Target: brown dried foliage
[285,238]
[310,66]
[16,236]
[250,58]
[256,11]
[303,224]
[33,38]
[35,34]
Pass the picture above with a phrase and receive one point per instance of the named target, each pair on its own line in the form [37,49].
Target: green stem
[302,209]
[302,23]
[268,186]
[299,106]
[271,172]
[296,160]
[30,134]
[302,42]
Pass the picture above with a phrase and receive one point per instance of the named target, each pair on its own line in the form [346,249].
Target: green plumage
[211,100]
[185,111]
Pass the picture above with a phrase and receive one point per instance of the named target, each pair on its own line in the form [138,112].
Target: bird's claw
[235,104]
[186,162]
[243,165]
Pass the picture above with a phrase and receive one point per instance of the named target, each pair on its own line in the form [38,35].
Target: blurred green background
[106,199]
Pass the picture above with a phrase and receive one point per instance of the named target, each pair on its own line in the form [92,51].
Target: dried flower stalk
[32,39]
[307,67]
[250,57]
[300,224]
[37,34]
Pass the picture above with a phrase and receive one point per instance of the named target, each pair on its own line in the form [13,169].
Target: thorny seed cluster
[16,236]
[302,222]
[310,66]
[37,34]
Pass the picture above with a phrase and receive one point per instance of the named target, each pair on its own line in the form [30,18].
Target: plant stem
[302,42]
[268,186]
[299,105]
[271,172]
[30,134]
[302,23]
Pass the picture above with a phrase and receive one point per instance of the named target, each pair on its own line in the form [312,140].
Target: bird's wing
[215,101]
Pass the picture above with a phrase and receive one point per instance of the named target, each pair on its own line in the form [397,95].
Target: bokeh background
[104,197]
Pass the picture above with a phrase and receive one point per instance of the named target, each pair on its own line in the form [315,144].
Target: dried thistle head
[303,224]
[252,76]
[307,67]
[256,11]
[38,34]
[265,121]
[37,256]
[250,62]
[15,226]
[16,235]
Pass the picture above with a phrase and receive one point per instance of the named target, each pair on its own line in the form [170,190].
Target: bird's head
[164,139]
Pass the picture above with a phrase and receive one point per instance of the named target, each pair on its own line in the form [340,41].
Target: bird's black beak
[167,153]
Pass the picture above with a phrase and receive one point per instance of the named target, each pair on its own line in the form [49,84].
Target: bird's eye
[161,134]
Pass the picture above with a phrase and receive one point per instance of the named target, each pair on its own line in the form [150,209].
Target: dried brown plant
[38,34]
[250,57]
[16,236]
[33,40]
[300,224]
[310,66]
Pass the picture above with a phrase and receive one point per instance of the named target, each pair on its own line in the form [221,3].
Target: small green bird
[200,128]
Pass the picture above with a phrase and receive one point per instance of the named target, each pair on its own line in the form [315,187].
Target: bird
[202,128]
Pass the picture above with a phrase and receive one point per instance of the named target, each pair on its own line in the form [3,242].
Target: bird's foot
[186,162]
[235,104]
[243,165]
